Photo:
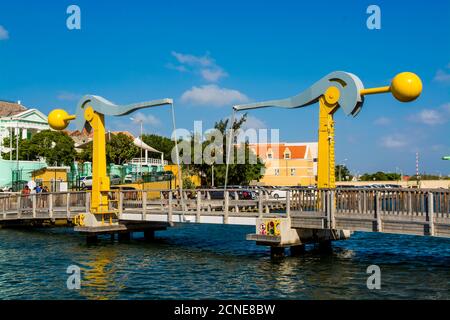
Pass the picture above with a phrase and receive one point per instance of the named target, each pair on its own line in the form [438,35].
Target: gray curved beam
[101,105]
[348,84]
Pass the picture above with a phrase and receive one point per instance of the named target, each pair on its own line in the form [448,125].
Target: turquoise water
[216,262]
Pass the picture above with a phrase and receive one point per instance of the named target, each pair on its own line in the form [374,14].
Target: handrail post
[431,213]
[19,212]
[4,207]
[378,210]
[120,205]
[332,209]
[144,205]
[199,206]
[226,204]
[260,204]
[288,203]
[50,205]
[68,205]
[170,212]
[88,202]
[33,199]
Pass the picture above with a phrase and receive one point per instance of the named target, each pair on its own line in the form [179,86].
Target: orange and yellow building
[288,164]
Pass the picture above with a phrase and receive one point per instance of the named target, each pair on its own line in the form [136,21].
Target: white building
[17,120]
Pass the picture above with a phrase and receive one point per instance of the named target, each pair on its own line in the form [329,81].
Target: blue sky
[208,55]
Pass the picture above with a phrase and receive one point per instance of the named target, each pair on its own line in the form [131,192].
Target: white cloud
[213,75]
[203,65]
[212,95]
[442,76]
[394,141]
[446,107]
[438,147]
[429,117]
[4,34]
[254,123]
[146,119]
[191,60]
[382,121]
[68,96]
[179,68]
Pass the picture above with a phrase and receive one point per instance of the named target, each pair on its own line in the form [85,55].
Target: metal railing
[427,211]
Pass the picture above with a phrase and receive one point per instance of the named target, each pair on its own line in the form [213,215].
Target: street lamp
[340,166]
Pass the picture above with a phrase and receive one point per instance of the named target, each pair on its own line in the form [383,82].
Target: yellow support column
[325,163]
[100,180]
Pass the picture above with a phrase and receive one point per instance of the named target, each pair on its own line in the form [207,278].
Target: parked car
[278,194]
[86,182]
[115,179]
[242,194]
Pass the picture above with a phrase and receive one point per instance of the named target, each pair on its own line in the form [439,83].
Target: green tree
[160,143]
[119,149]
[238,174]
[55,147]
[380,176]
[342,172]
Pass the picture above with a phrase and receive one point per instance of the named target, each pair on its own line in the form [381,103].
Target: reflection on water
[215,262]
[98,275]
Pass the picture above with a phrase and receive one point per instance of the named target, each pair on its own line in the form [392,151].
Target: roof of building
[8,109]
[43,169]
[81,139]
[297,150]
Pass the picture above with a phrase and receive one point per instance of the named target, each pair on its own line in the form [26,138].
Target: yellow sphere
[58,119]
[406,86]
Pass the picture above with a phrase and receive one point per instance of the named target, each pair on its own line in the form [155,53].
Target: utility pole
[417,169]
[141,153]
[140,159]
[340,167]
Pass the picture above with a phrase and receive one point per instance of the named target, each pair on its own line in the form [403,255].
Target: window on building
[293,172]
[277,172]
[269,156]
[287,155]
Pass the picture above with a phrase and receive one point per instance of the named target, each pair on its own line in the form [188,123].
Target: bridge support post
[149,235]
[124,236]
[297,250]
[277,252]
[325,246]
[430,213]
[92,238]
